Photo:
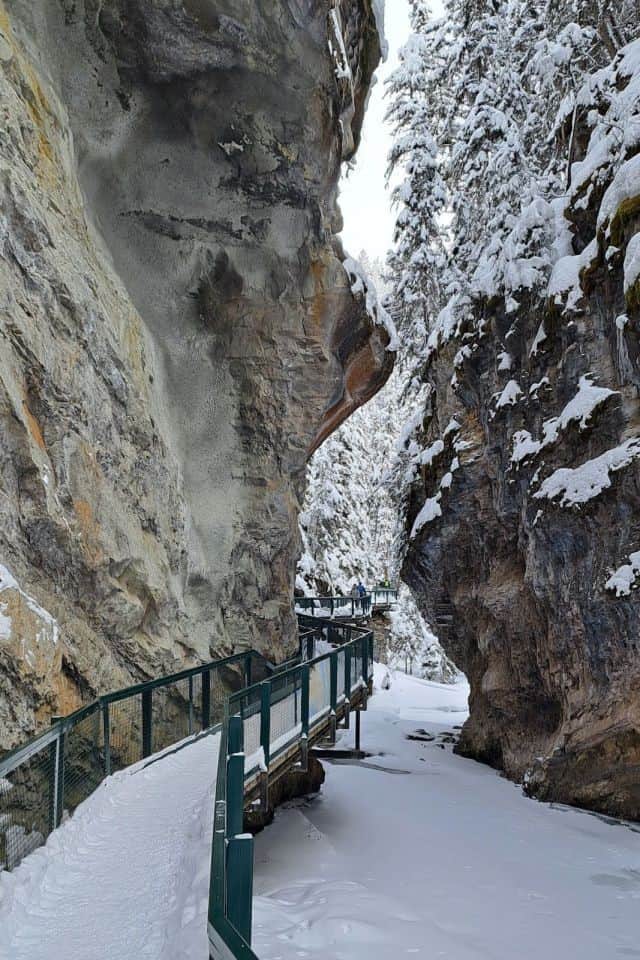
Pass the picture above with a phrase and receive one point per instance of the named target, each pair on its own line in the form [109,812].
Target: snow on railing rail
[267,729]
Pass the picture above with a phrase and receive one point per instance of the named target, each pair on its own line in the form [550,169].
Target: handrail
[358,606]
[60,767]
[231,886]
[278,710]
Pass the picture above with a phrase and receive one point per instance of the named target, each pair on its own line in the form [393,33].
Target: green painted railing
[267,716]
[268,728]
[348,607]
[46,778]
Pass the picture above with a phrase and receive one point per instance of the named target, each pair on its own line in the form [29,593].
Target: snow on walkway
[417,852]
[126,878]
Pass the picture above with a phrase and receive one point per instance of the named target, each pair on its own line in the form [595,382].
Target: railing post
[347,673]
[371,657]
[247,670]
[235,794]
[265,741]
[333,682]
[333,694]
[265,721]
[106,735]
[190,706]
[206,699]
[236,734]
[304,717]
[147,720]
[364,675]
[331,602]
[59,778]
[240,884]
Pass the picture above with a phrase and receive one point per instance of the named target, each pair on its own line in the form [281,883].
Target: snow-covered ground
[417,852]
[127,877]
[413,851]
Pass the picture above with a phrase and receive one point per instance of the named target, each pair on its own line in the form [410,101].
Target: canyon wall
[178,330]
[524,515]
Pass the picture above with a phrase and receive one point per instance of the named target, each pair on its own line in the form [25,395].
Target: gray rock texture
[178,331]
[551,650]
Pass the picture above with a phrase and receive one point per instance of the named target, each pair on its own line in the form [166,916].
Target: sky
[368,218]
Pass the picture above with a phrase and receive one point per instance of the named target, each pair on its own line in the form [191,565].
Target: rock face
[526,511]
[177,326]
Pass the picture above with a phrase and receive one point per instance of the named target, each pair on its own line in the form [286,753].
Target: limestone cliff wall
[177,326]
[526,507]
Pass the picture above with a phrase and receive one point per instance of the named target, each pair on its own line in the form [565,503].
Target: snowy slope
[126,878]
[421,853]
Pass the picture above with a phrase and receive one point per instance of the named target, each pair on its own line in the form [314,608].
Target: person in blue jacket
[362,590]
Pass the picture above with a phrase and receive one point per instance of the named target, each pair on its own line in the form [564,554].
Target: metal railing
[384,596]
[268,728]
[348,607]
[43,781]
[267,716]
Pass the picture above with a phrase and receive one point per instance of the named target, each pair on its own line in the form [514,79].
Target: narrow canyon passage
[319,400]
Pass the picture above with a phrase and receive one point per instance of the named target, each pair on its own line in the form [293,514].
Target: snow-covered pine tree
[484,105]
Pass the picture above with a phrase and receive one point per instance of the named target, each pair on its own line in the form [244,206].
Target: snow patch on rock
[624,578]
[430,511]
[580,484]
[510,395]
[8,582]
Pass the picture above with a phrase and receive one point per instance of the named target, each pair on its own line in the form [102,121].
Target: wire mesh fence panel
[125,740]
[258,669]
[171,715]
[249,709]
[219,694]
[225,680]
[196,703]
[285,721]
[28,806]
[343,606]
[319,688]
[84,759]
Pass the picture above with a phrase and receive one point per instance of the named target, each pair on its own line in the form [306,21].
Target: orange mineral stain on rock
[90,530]
[33,426]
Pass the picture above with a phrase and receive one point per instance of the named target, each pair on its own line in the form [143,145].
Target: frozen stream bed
[421,853]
